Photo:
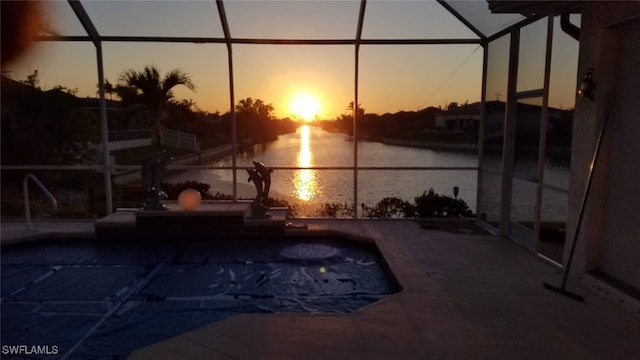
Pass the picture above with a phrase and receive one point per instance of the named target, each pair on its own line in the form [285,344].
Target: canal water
[309,188]
[311,147]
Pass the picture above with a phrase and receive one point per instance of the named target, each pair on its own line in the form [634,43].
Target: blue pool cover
[83,299]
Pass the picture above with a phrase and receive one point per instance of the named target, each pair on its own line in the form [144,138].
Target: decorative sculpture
[261,177]
[153,171]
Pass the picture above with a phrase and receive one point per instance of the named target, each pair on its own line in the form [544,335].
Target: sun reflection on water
[305,180]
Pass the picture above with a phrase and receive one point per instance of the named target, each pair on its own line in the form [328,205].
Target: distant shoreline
[431,144]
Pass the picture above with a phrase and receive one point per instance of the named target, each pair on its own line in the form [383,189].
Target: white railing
[179,140]
[25,192]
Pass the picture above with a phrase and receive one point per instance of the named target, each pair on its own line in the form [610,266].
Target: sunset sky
[392,77]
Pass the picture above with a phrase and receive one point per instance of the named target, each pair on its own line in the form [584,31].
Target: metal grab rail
[25,192]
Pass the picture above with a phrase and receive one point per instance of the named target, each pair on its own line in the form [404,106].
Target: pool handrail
[25,192]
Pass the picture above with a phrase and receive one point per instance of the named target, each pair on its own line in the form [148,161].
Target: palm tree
[148,88]
[109,89]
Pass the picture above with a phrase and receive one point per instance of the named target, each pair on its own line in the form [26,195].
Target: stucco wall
[609,240]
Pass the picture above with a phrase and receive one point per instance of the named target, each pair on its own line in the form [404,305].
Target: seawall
[129,176]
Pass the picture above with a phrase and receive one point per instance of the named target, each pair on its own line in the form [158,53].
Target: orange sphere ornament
[189,199]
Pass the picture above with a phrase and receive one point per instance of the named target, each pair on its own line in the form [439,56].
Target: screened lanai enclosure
[349,102]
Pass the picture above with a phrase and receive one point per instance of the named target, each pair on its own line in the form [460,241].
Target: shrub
[432,205]
[174,190]
[389,207]
[335,210]
[219,196]
[133,195]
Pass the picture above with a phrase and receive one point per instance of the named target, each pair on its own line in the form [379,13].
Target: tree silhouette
[148,88]
[45,127]
[109,89]
[255,119]
[344,122]
[360,109]
[33,80]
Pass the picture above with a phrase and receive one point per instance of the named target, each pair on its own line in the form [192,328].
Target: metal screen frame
[97,39]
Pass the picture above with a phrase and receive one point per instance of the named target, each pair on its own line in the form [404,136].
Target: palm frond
[174,78]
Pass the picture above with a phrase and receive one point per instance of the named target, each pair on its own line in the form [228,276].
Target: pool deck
[465,296]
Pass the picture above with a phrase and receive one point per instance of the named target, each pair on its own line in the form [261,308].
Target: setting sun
[305,106]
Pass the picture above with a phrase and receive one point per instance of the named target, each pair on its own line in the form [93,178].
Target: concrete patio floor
[465,296]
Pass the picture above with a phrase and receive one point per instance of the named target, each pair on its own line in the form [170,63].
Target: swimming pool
[104,299]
